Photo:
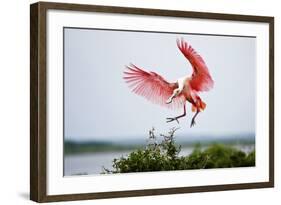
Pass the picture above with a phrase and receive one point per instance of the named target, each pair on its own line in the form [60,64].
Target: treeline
[164,156]
[72,147]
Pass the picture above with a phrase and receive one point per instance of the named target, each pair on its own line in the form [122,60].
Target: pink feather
[152,86]
[201,79]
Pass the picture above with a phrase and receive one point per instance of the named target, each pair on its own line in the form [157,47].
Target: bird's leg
[193,118]
[171,119]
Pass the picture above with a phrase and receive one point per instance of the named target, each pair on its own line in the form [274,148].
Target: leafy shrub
[164,156]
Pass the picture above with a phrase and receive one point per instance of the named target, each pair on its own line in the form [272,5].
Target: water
[93,163]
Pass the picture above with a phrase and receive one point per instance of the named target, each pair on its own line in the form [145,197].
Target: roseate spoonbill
[155,88]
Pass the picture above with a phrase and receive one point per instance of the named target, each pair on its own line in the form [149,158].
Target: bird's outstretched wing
[201,79]
[152,86]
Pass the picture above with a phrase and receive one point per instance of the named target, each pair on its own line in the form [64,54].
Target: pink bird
[156,89]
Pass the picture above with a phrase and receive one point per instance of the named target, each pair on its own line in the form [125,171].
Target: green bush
[164,156]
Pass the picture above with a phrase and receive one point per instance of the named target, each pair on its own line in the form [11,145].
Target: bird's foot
[192,122]
[171,119]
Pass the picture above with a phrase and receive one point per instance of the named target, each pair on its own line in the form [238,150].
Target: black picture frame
[38,100]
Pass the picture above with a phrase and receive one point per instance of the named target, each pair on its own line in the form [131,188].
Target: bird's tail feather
[199,105]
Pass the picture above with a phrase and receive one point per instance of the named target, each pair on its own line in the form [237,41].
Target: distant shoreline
[75,147]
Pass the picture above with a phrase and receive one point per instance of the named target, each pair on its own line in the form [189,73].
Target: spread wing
[152,86]
[201,79]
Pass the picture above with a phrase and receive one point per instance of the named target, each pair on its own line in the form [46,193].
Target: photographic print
[140,101]
[129,102]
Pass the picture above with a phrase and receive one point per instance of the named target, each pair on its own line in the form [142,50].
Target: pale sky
[99,105]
